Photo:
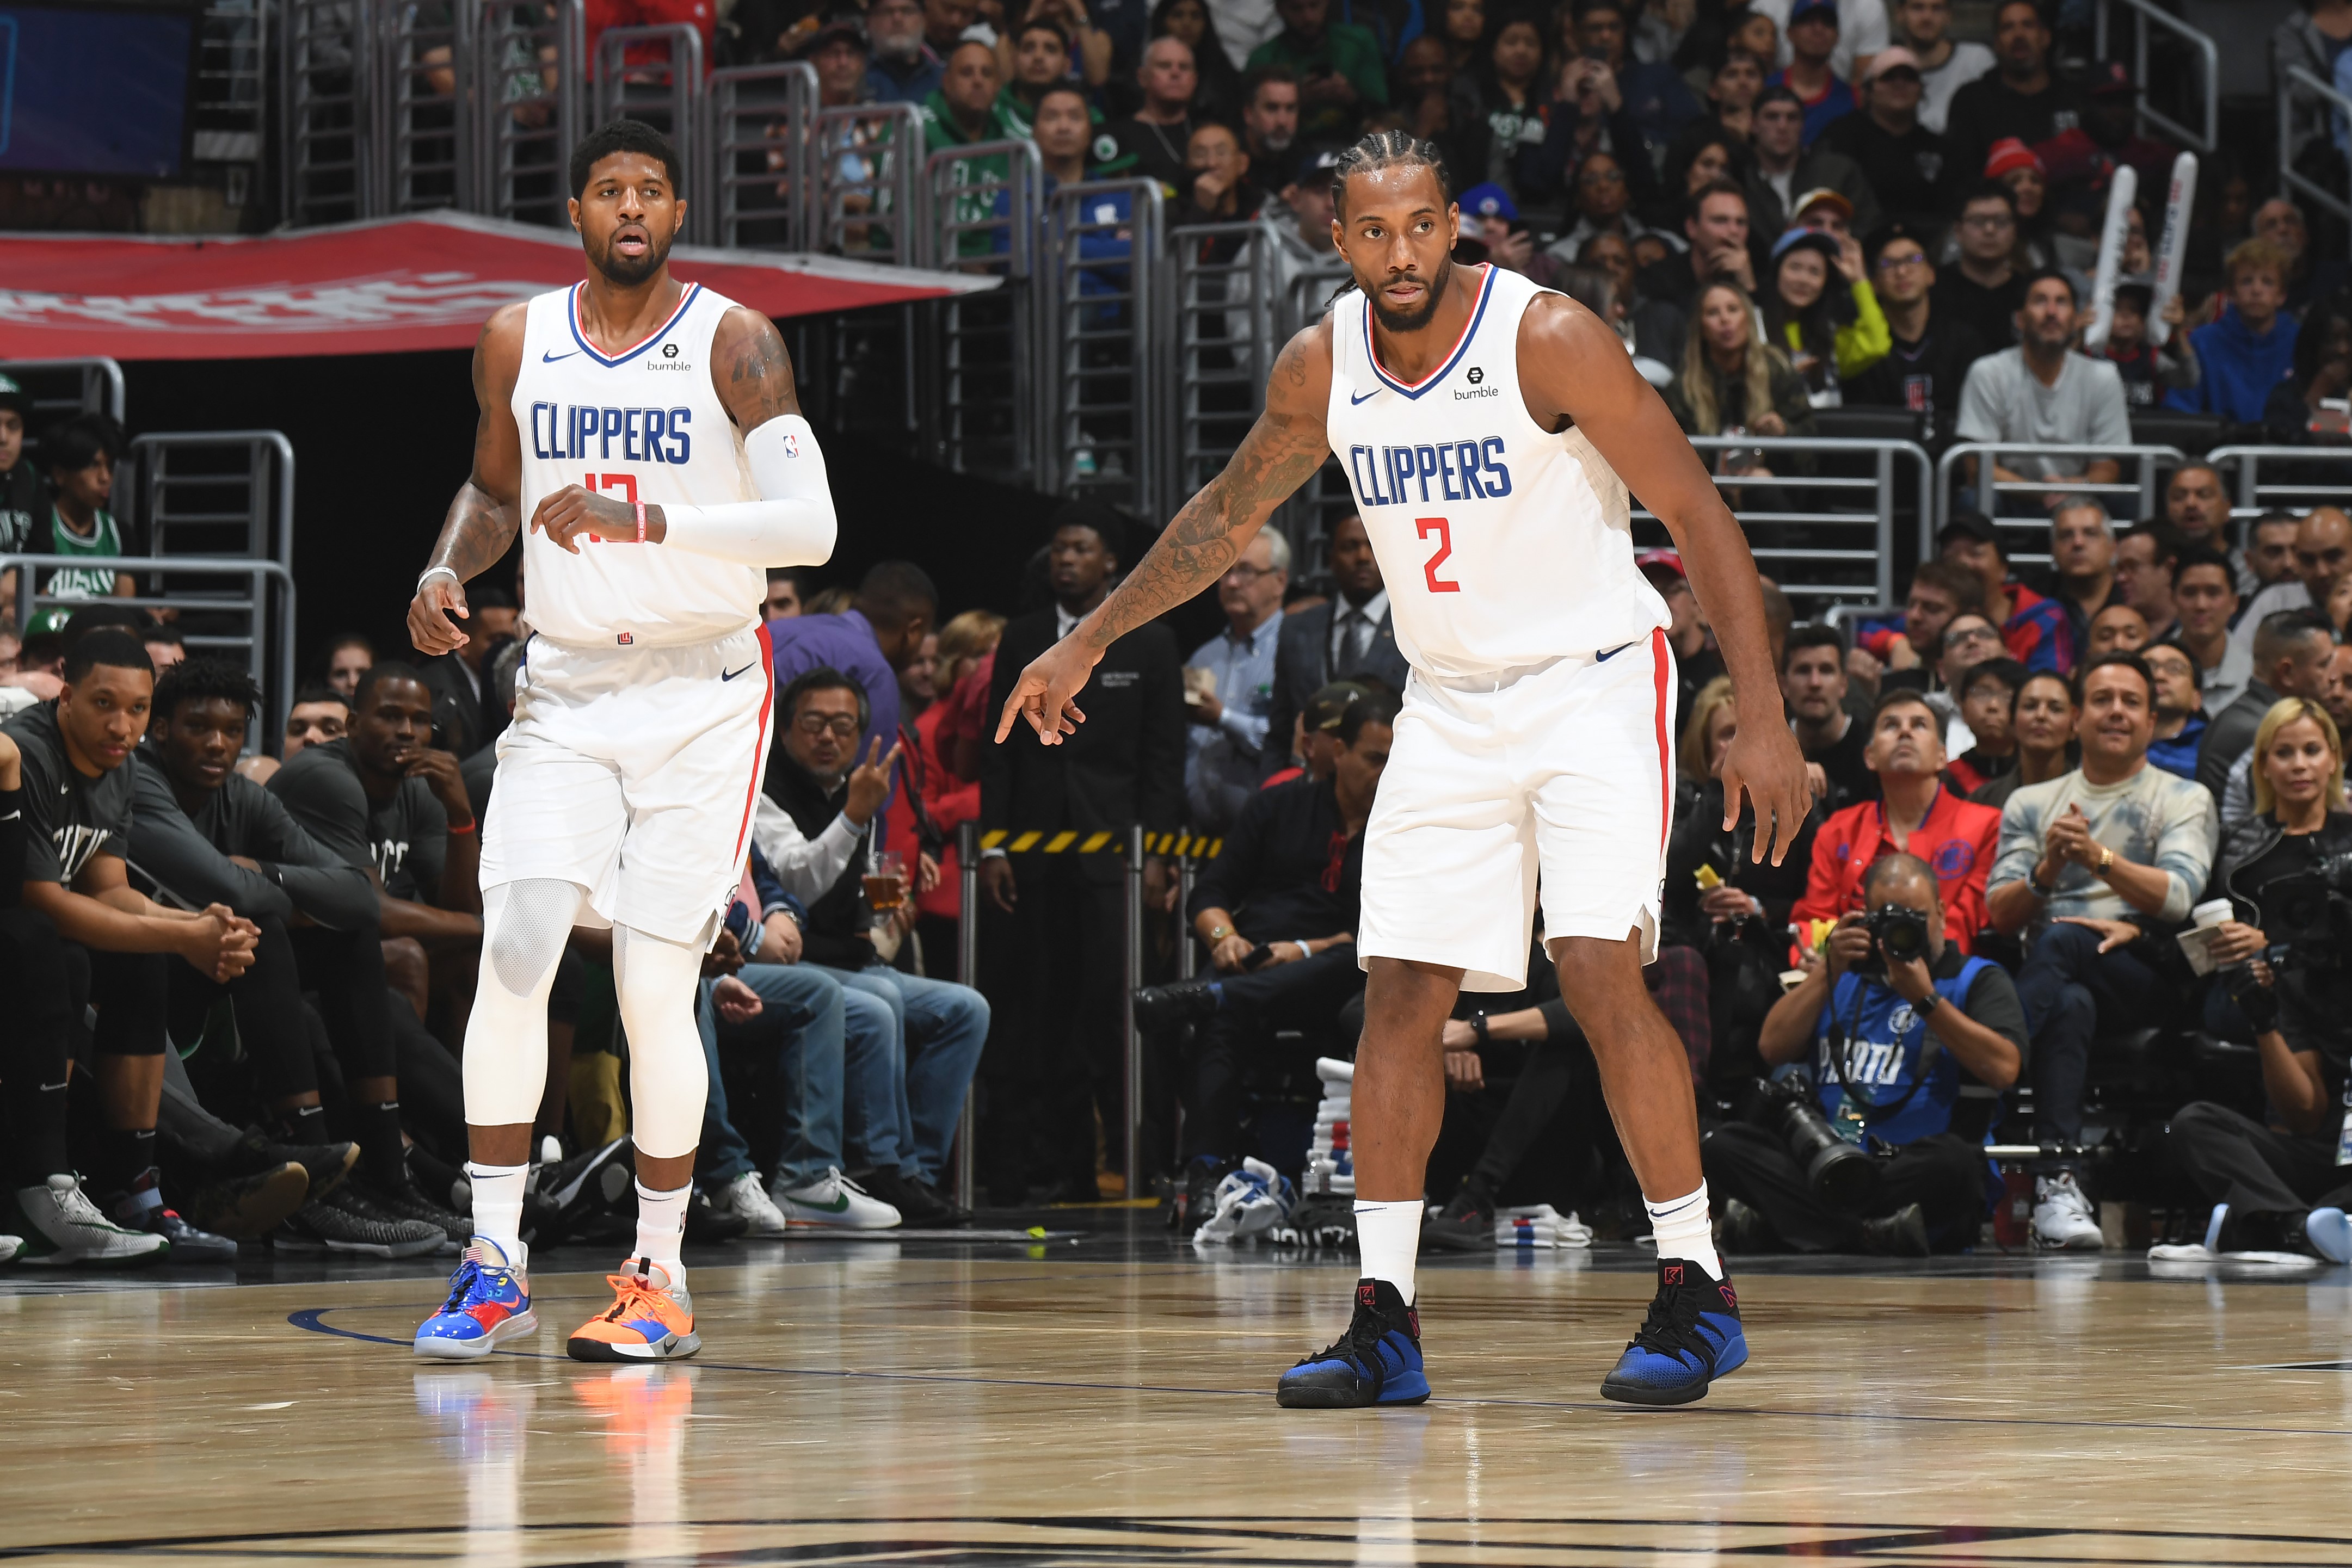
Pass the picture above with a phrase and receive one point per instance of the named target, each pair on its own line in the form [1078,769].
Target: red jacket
[1958,839]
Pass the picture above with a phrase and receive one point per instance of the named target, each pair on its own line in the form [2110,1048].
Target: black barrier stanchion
[967,971]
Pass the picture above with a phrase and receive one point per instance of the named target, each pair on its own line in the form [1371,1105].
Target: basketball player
[1485,423]
[649,432]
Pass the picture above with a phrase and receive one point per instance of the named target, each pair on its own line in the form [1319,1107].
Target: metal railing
[2142,491]
[2144,14]
[868,162]
[1840,547]
[222,494]
[528,68]
[265,607]
[228,101]
[664,91]
[1223,336]
[96,384]
[2255,496]
[325,91]
[986,351]
[421,137]
[2299,85]
[1105,236]
[759,173]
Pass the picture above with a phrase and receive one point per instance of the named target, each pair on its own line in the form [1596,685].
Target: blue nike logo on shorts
[731,674]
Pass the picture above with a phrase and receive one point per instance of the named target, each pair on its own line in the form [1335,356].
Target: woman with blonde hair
[1732,381]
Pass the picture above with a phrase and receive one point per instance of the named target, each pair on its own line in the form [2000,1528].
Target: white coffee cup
[2212,912]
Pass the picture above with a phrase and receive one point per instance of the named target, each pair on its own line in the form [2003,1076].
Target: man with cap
[2021,97]
[1490,217]
[1863,31]
[1812,35]
[1301,233]
[1787,169]
[1697,660]
[22,505]
[1902,158]
[837,49]
[1058,1061]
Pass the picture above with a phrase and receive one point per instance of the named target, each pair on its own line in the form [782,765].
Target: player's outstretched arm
[1287,446]
[1574,366]
[792,523]
[484,517]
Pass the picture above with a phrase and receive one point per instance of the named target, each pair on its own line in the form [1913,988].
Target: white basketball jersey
[645,424]
[1503,545]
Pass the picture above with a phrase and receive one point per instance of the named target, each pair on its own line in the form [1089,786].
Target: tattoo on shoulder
[1292,366]
[759,385]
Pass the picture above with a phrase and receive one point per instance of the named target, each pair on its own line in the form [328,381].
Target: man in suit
[1059,1060]
[466,713]
[1352,635]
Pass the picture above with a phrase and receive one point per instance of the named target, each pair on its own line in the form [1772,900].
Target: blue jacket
[2240,368]
[2179,755]
[1884,1043]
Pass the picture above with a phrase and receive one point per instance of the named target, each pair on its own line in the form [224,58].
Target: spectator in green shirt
[1339,66]
[963,112]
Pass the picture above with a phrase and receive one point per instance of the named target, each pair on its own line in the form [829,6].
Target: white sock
[497,1208]
[1685,1230]
[1389,1237]
[661,1225]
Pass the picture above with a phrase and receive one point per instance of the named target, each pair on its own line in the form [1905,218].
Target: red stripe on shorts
[1660,671]
[760,756]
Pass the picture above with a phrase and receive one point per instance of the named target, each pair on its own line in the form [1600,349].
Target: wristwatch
[2107,858]
[1479,1027]
[1925,1006]
[1219,933]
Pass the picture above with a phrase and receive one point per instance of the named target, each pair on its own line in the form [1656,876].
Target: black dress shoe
[1162,1007]
[705,1222]
[1902,1234]
[919,1208]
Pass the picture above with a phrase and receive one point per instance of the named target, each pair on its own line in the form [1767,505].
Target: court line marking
[311,1319]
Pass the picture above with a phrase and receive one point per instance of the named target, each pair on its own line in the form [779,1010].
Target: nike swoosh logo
[548,359]
[840,1204]
[731,674]
[1353,399]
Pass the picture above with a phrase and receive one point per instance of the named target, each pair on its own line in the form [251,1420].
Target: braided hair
[1384,149]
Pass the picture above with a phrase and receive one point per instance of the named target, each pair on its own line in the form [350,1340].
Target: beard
[627,272]
[1414,319]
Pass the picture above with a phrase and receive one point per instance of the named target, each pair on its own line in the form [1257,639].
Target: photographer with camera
[1911,1042]
[2288,872]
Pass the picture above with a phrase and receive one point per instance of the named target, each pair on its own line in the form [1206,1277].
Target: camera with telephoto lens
[1898,932]
[1842,1176]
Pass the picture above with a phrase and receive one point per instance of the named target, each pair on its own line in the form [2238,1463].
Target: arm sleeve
[804,867]
[792,523]
[186,870]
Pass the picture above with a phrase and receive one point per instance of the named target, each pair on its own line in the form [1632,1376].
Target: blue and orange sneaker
[1691,1337]
[489,1302]
[1375,1362]
[650,1318]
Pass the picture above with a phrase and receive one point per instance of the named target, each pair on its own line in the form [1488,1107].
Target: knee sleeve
[669,1081]
[524,927]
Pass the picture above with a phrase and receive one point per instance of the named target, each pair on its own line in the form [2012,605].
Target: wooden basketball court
[1106,1399]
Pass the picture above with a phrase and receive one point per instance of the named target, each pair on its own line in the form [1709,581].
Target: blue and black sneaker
[1375,1362]
[1691,1337]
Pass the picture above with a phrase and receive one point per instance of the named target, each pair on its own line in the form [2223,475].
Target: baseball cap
[1804,8]
[1806,239]
[1316,164]
[841,24]
[1328,705]
[1821,196]
[1668,562]
[2007,154]
[1969,524]
[1489,201]
[1888,60]
[14,395]
[2109,78]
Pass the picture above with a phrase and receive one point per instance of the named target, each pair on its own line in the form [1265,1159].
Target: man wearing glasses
[1229,685]
[1986,291]
[1930,357]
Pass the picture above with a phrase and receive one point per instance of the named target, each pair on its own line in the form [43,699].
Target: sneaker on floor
[325,1165]
[1251,1202]
[746,1197]
[574,1193]
[1375,1362]
[489,1303]
[10,1245]
[347,1220]
[248,1208]
[407,1202]
[1466,1225]
[2063,1219]
[62,1228]
[1902,1234]
[1740,1227]
[705,1224]
[2330,1234]
[835,1202]
[919,1206]
[1162,1007]
[649,1320]
[1203,1173]
[1691,1337]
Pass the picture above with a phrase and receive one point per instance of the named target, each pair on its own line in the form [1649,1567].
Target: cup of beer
[885,882]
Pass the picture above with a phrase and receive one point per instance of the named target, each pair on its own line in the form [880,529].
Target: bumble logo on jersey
[1403,475]
[643,434]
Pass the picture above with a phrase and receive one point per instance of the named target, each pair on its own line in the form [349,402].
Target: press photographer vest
[1884,1045]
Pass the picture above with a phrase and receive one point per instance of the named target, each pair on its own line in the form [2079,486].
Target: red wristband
[466,829]
[641,520]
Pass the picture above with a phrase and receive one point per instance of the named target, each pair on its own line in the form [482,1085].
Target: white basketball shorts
[1559,777]
[631,771]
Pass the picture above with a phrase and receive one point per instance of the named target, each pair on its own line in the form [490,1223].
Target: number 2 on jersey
[1445,532]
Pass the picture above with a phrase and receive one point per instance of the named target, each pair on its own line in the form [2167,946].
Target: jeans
[801,1020]
[938,1030]
[2071,994]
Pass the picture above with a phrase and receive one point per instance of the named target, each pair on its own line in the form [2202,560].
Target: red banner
[426,281]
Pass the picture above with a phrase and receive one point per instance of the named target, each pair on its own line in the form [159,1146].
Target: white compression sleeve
[669,1081]
[524,927]
[793,522]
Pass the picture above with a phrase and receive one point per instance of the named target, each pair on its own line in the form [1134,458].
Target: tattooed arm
[1283,449]
[792,523]
[483,518]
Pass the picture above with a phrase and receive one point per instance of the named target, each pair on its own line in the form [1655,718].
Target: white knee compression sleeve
[668,1081]
[524,927]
